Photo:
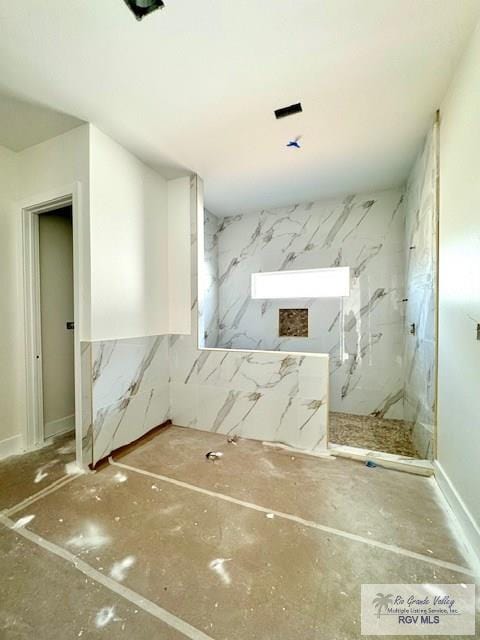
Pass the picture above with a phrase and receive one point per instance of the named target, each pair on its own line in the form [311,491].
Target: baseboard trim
[58,427]
[467,525]
[11,446]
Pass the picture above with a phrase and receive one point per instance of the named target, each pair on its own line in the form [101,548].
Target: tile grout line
[58,484]
[112,585]
[298,520]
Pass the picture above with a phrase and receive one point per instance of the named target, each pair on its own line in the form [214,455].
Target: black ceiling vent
[288,111]
[142,8]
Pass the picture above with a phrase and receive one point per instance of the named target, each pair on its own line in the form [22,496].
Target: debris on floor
[119,569]
[232,439]
[22,522]
[213,455]
[217,565]
[371,464]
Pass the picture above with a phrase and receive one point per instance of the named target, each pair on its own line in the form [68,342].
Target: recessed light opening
[142,8]
[288,111]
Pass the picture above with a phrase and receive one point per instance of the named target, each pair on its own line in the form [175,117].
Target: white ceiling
[193,87]
[23,124]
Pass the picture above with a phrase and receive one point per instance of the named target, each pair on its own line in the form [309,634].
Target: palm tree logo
[382,602]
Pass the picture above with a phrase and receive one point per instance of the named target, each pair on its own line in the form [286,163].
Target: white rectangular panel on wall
[303,283]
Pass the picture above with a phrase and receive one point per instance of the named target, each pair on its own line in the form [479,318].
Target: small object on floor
[213,455]
[371,464]
[232,439]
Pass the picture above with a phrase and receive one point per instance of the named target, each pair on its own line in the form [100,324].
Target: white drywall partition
[129,243]
[179,239]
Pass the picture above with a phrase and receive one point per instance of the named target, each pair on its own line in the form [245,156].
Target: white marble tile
[364,232]
[139,383]
[129,391]
[128,420]
[420,260]
[87,414]
[125,367]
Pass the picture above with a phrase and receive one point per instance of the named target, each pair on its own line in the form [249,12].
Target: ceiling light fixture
[142,8]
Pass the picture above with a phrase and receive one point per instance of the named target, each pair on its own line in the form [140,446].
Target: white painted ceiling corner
[193,87]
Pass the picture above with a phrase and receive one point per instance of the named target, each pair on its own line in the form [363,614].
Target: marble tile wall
[364,333]
[281,397]
[135,384]
[210,278]
[129,392]
[421,268]
[86,386]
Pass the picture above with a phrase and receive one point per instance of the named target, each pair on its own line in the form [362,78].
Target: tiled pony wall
[135,384]
[279,397]
[129,392]
[365,336]
[421,269]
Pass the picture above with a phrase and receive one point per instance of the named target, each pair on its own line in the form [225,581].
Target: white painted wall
[134,276]
[129,243]
[56,309]
[179,278]
[459,291]
[52,165]
[25,178]
[9,319]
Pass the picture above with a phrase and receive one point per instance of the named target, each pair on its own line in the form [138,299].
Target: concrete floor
[257,545]
[369,432]
[23,476]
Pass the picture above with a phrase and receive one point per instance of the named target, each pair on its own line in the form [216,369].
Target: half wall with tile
[280,397]
[129,389]
[131,385]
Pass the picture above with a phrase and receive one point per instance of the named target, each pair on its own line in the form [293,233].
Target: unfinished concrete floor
[260,544]
[22,476]
[369,432]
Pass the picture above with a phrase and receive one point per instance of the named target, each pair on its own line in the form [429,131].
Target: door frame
[34,436]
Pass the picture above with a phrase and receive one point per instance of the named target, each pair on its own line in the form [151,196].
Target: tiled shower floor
[368,432]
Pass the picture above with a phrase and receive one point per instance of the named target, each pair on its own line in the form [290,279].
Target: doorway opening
[52,344]
[56,321]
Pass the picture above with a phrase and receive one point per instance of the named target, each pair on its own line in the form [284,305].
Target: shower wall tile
[363,334]
[421,268]
[210,279]
[262,395]
[135,384]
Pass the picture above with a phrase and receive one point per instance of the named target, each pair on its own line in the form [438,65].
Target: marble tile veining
[135,384]
[262,395]
[420,269]
[363,334]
